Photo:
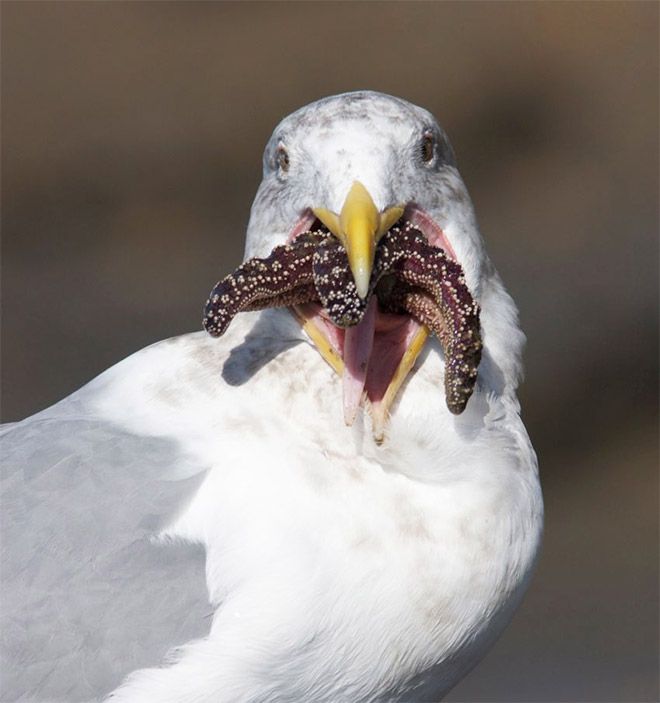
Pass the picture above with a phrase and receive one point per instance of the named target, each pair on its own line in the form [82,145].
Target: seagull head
[355,164]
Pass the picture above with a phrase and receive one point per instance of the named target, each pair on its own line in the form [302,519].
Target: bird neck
[501,365]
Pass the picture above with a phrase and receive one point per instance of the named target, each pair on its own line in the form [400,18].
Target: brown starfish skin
[284,278]
[431,287]
[462,350]
[335,284]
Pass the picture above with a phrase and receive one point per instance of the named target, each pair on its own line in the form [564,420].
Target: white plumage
[337,568]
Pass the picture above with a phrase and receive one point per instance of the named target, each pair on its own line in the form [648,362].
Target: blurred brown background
[132,137]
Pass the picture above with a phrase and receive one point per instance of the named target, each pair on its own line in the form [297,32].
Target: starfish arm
[335,284]
[431,287]
[283,278]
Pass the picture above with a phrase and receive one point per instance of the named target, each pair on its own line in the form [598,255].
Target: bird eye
[427,148]
[282,158]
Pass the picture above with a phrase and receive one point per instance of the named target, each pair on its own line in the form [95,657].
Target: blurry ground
[132,137]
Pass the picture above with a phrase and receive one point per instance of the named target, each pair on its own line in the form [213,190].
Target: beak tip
[362,290]
[362,277]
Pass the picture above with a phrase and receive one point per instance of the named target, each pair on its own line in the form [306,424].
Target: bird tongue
[373,350]
[358,343]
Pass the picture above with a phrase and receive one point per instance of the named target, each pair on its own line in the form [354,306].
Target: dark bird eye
[282,158]
[427,148]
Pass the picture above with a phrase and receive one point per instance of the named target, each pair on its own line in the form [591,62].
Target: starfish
[409,276]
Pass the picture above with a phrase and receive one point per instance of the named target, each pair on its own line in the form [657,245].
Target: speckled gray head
[397,150]
[356,163]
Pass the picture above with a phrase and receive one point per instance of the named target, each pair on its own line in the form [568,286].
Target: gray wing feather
[88,595]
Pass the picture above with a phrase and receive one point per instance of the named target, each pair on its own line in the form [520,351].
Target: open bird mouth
[368,288]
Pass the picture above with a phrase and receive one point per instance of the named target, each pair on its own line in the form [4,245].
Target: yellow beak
[358,227]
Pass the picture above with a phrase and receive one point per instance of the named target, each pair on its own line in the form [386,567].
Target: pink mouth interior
[388,336]
[371,350]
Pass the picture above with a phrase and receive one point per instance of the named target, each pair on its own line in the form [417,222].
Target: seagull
[296,510]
